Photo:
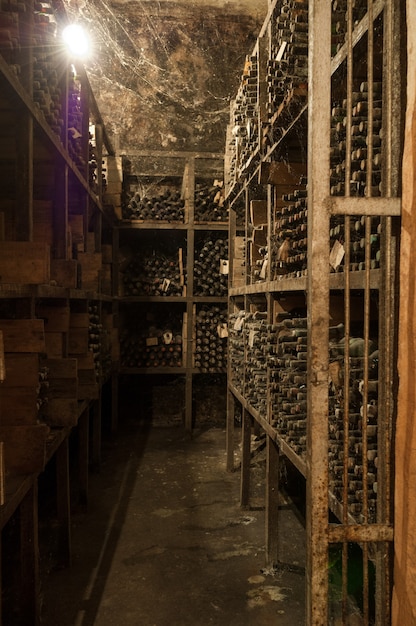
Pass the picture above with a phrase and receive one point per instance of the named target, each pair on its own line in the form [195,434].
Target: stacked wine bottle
[340,20]
[288,380]
[211,267]
[47,92]
[245,116]
[151,273]
[236,351]
[210,354]
[360,428]
[167,206]
[287,69]
[157,345]
[255,339]
[95,330]
[290,238]
[209,203]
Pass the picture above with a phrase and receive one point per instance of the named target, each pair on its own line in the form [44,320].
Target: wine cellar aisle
[207,313]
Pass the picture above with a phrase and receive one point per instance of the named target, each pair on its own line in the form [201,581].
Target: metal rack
[344,447]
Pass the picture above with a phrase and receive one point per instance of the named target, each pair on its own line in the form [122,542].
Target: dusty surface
[165,542]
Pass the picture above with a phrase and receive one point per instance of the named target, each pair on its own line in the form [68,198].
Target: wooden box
[56,317]
[62,412]
[88,388]
[24,262]
[90,264]
[23,335]
[64,272]
[78,341]
[63,377]
[24,448]
[43,221]
[56,345]
[76,225]
[19,406]
[21,368]
[258,212]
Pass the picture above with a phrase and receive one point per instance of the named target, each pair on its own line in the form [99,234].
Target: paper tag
[224,266]
[336,255]
[264,269]
[167,337]
[238,324]
[251,336]
[165,284]
[222,330]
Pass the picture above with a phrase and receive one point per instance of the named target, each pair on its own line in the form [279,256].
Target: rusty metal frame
[374,538]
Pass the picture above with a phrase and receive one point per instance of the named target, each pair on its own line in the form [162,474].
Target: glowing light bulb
[76,40]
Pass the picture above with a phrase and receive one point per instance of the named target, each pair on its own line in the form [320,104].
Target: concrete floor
[165,542]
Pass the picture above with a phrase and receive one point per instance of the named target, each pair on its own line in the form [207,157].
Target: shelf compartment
[152,338]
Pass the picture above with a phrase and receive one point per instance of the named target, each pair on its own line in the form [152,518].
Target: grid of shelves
[173,269]
[60,345]
[315,203]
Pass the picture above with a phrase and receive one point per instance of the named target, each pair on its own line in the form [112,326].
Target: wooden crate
[62,412]
[88,388]
[56,345]
[43,221]
[258,212]
[76,226]
[24,448]
[63,377]
[90,264]
[23,335]
[56,317]
[24,262]
[65,273]
[21,368]
[19,406]
[78,341]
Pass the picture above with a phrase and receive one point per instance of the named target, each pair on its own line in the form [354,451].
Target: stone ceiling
[164,72]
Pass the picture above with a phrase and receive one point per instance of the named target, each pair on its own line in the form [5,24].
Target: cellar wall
[404,595]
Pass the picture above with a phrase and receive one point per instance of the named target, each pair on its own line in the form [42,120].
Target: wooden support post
[95,413]
[272,501]
[29,592]
[230,431]
[114,403]
[245,459]
[83,457]
[63,504]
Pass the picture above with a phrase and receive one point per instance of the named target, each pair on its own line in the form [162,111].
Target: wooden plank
[29,558]
[83,458]
[23,335]
[245,459]
[272,502]
[63,504]
[2,359]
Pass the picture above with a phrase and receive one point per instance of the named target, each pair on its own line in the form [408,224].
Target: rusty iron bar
[319,96]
